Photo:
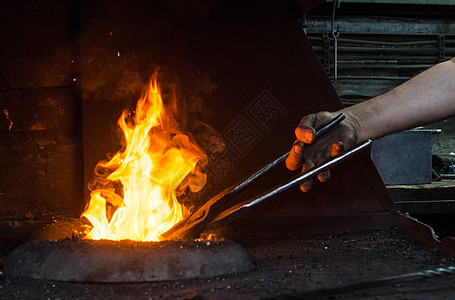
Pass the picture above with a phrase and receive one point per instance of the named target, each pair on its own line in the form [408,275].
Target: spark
[6,113]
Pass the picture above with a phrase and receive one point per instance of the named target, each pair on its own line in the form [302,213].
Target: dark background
[244,72]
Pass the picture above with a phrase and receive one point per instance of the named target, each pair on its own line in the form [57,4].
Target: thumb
[306,132]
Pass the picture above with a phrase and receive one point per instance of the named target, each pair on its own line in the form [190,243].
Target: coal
[83,260]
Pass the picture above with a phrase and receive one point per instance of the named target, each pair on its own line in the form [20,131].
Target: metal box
[403,157]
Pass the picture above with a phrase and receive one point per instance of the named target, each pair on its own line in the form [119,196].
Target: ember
[151,168]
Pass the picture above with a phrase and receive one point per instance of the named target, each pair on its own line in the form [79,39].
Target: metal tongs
[219,210]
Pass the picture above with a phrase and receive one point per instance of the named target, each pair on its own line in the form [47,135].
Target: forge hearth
[126,261]
[285,264]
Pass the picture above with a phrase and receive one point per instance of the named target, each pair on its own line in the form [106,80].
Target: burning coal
[135,195]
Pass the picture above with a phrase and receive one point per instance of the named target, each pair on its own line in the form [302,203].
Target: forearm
[426,98]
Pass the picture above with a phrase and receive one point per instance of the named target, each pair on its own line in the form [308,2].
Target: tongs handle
[335,121]
[243,208]
[319,131]
[195,223]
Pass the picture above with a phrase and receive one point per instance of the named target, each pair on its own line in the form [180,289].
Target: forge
[126,261]
[133,201]
[239,76]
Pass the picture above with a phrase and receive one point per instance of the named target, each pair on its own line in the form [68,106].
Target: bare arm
[426,98]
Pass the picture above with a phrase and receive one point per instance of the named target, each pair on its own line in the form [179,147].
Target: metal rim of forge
[126,261]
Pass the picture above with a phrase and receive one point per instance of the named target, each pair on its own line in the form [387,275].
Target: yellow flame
[151,167]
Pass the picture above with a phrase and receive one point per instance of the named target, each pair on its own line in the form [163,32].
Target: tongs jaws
[215,212]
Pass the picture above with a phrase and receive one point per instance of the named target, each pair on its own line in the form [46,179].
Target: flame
[152,167]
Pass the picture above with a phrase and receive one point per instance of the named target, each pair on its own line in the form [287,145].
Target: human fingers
[306,132]
[324,176]
[294,159]
[307,185]
[321,156]
[337,148]
[305,135]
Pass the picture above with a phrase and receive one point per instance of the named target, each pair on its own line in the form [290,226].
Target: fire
[156,162]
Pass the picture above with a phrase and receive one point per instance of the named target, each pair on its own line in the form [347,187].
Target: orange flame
[151,166]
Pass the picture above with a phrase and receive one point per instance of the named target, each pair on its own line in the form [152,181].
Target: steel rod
[450,270]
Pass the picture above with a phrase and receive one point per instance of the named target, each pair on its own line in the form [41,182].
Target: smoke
[122,45]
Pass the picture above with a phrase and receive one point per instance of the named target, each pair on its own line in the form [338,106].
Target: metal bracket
[335,34]
[326,52]
[442,47]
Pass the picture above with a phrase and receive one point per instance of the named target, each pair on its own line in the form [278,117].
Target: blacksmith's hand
[309,150]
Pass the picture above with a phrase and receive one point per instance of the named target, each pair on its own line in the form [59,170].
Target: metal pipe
[382,66]
[389,59]
[388,43]
[373,78]
[386,50]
